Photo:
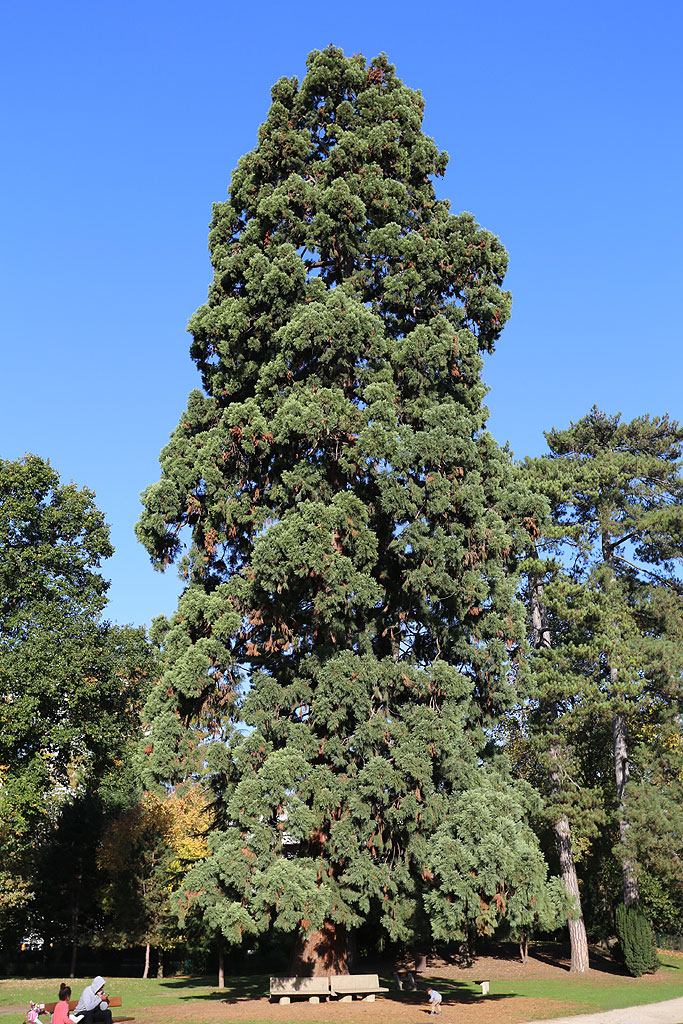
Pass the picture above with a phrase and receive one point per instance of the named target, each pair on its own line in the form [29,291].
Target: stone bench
[346,986]
[286,989]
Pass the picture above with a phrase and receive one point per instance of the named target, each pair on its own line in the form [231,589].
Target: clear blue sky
[122,122]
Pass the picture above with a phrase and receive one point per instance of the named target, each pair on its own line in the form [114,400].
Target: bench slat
[73,1003]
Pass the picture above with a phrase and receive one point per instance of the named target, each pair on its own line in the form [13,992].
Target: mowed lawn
[517,994]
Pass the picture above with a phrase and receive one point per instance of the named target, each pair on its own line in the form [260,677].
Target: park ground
[541,989]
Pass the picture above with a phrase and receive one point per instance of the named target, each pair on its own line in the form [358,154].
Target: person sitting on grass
[61,1014]
[94,1004]
[434,1001]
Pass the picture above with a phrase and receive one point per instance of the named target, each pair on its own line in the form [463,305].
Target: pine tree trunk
[577,927]
[145,973]
[160,964]
[221,966]
[322,952]
[622,770]
[578,940]
[622,775]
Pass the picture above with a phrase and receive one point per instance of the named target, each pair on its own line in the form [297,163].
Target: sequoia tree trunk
[322,952]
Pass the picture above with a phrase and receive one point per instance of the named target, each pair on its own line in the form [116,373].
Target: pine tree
[552,689]
[347,528]
[616,493]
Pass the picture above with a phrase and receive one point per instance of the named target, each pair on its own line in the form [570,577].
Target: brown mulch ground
[402,1008]
[462,1007]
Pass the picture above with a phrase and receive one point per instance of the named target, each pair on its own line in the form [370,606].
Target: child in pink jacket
[61,1014]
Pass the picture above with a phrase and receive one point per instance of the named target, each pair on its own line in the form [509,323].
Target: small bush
[636,940]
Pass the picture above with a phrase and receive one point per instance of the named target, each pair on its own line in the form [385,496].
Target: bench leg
[345,999]
[370,998]
[314,999]
[285,999]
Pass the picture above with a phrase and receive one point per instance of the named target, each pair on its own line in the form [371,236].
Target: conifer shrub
[636,940]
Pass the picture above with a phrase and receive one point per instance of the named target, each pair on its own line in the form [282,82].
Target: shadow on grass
[669,962]
[452,992]
[558,955]
[257,986]
[598,962]
[241,987]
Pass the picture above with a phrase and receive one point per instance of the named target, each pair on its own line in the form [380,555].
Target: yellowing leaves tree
[144,853]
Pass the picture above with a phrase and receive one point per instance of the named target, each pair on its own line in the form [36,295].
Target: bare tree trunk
[578,940]
[622,775]
[160,963]
[524,947]
[221,966]
[74,932]
[145,973]
[74,955]
[322,952]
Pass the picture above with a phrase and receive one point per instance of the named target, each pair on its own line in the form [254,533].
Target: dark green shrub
[636,940]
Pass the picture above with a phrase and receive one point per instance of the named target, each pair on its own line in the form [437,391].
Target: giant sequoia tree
[347,529]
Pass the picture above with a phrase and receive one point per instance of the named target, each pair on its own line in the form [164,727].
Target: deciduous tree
[71,685]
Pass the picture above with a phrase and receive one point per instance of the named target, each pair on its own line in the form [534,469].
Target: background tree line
[413,692]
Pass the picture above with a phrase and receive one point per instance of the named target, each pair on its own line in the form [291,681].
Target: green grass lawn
[135,992]
[599,991]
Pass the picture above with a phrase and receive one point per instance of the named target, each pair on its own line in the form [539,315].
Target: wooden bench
[73,1003]
[346,986]
[285,989]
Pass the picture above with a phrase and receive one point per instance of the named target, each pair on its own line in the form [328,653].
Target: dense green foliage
[609,689]
[635,939]
[71,690]
[352,529]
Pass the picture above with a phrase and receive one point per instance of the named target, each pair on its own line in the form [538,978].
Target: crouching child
[434,1001]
